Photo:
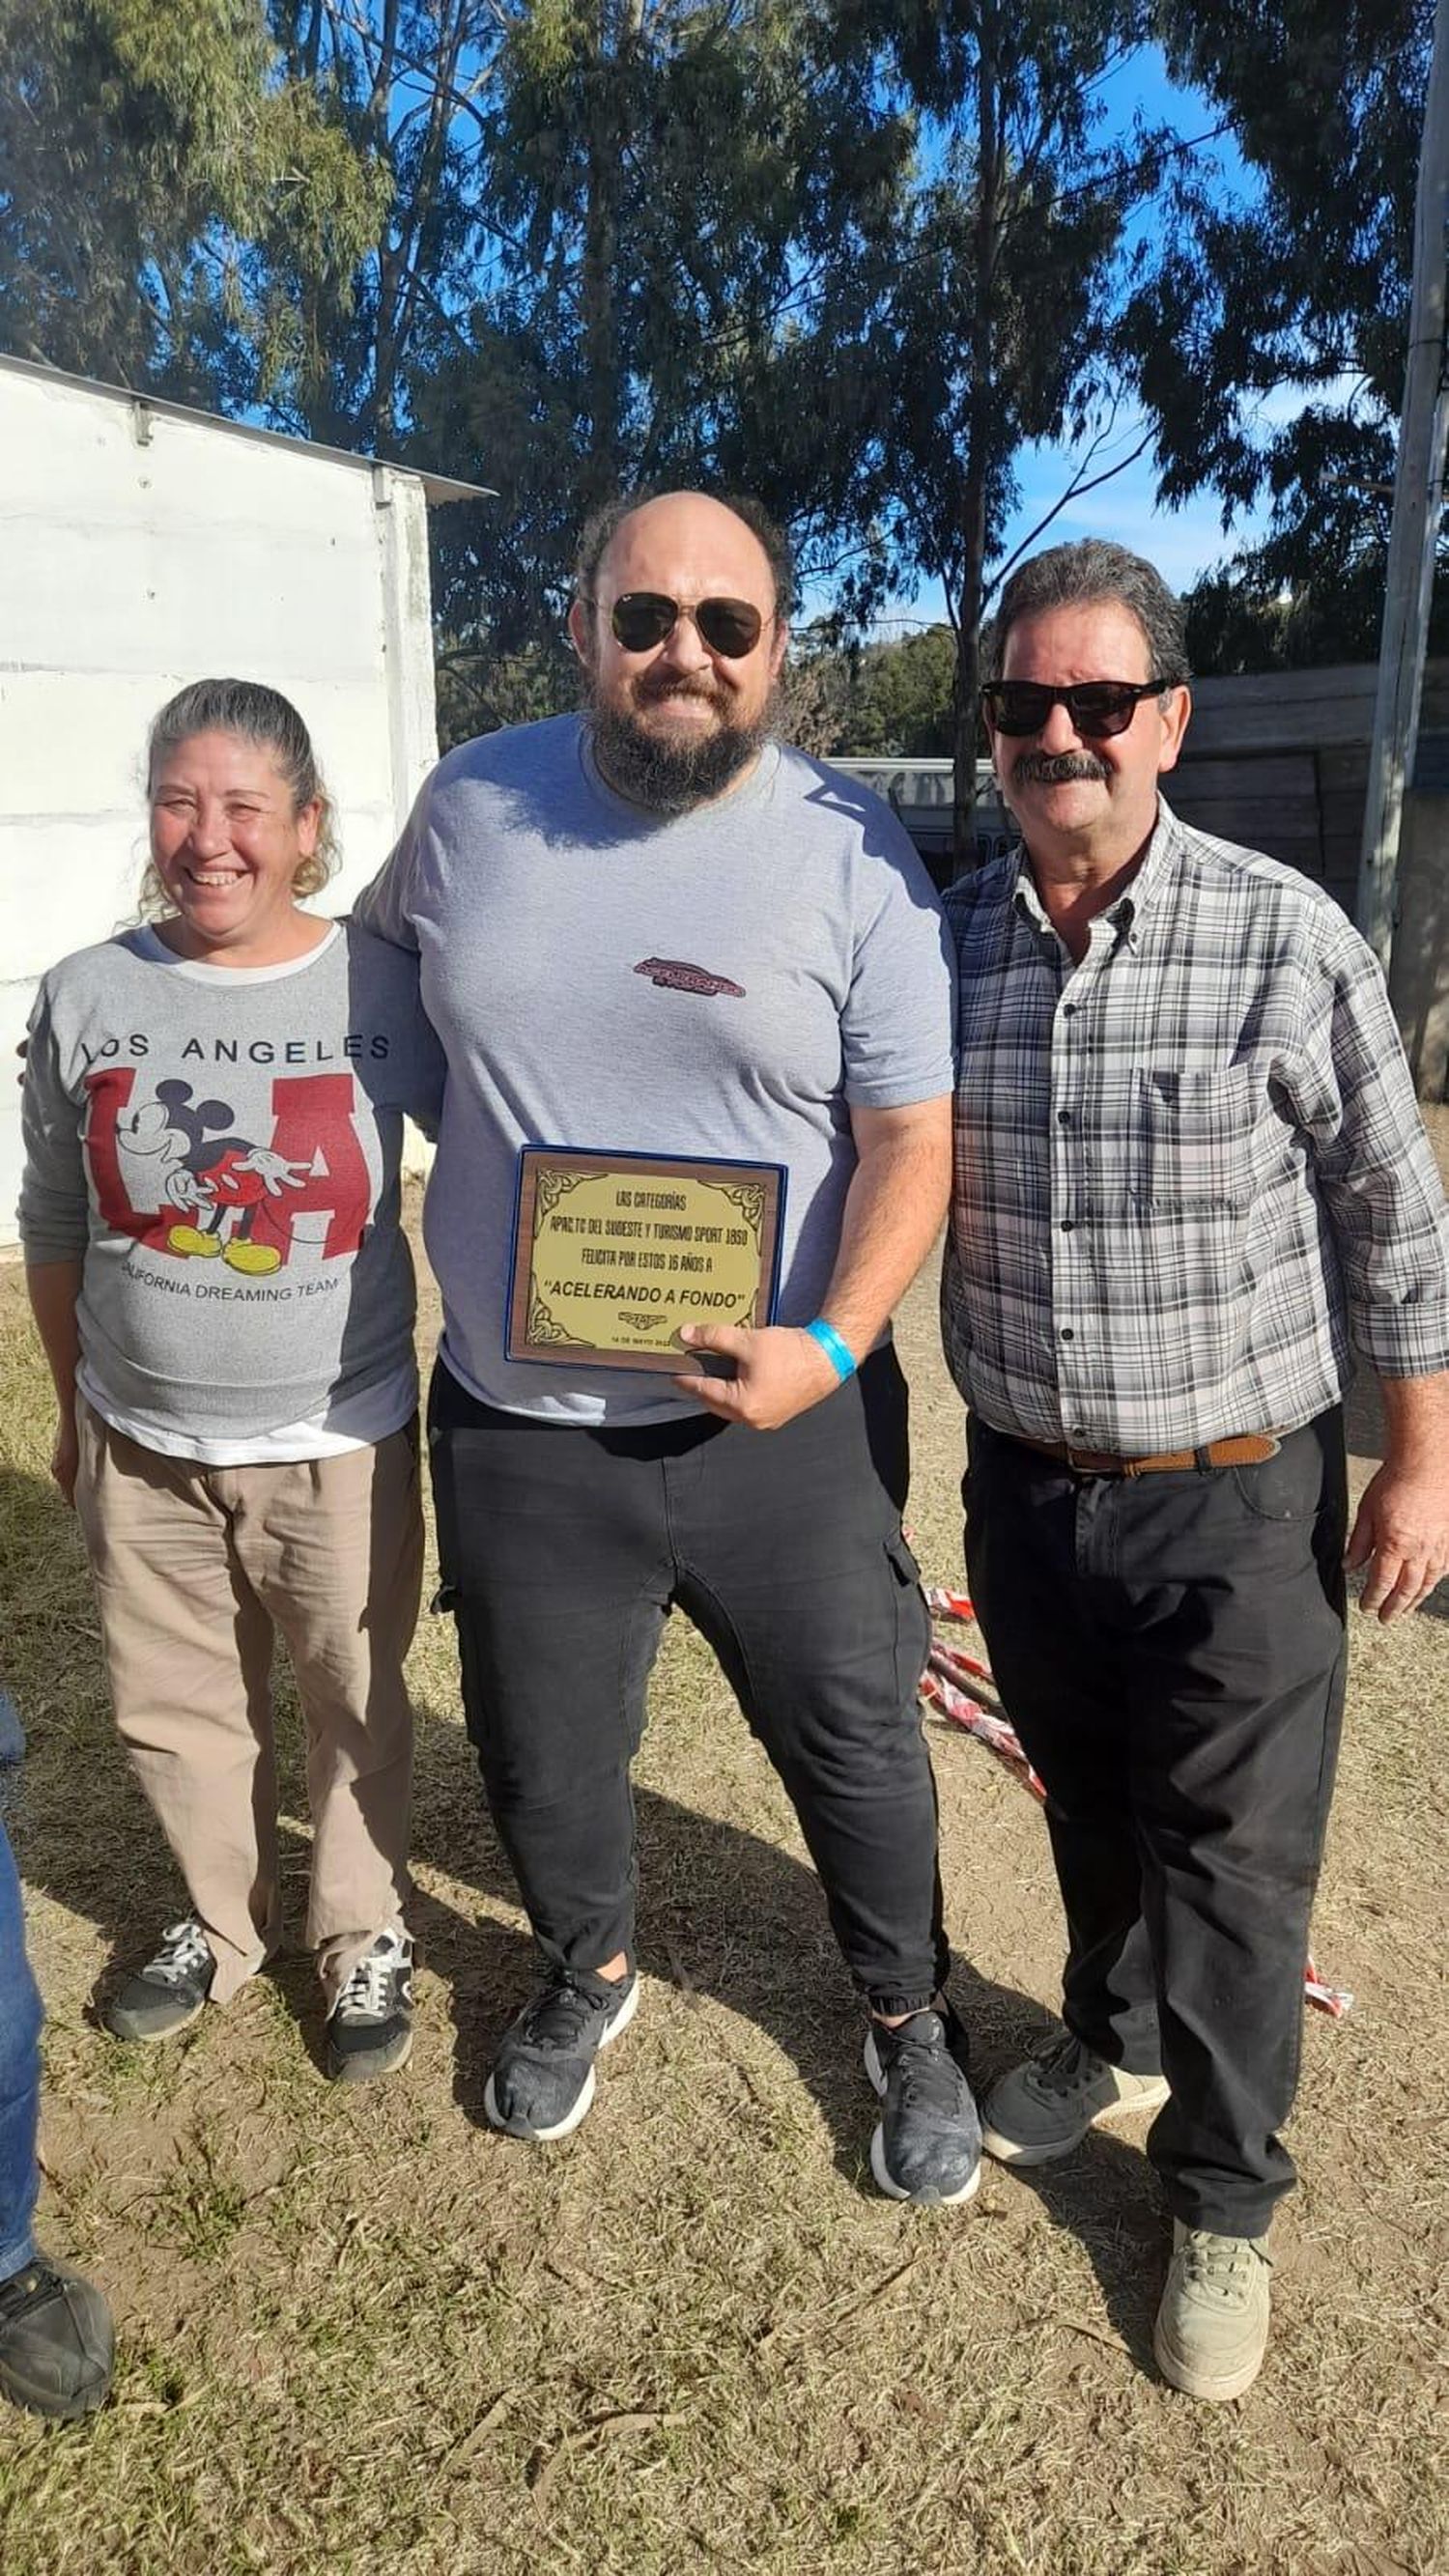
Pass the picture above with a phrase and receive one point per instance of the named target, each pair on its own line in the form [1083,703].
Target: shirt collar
[1146,890]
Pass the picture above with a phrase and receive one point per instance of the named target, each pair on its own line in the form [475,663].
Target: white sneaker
[1212,2325]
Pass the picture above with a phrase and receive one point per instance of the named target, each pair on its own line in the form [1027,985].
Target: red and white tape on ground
[941,1688]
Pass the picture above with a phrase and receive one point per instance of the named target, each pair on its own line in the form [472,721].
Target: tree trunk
[619,25]
[979,431]
[964,735]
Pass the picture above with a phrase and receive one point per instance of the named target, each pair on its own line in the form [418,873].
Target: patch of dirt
[362,2333]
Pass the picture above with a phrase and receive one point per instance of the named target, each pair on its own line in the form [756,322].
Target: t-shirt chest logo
[677,975]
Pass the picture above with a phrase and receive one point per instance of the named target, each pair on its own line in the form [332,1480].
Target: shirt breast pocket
[1193,1142]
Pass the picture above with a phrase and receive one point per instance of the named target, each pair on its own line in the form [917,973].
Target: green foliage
[853,255]
[1303,286]
[479,690]
[684,203]
[144,144]
[365,296]
[897,698]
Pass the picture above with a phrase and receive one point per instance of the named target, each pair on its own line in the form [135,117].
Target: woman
[213,1127]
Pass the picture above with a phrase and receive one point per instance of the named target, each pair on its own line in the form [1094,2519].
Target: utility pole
[1418,502]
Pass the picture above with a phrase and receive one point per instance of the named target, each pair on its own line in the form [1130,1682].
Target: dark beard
[1056,768]
[669,777]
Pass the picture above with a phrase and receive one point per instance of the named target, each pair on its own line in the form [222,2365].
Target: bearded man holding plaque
[696,1003]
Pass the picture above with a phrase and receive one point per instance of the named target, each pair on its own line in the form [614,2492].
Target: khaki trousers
[197,1569]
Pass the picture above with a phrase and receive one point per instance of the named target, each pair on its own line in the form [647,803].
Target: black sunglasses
[642,619]
[1096,707]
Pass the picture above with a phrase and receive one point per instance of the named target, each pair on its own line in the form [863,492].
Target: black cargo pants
[563,1550]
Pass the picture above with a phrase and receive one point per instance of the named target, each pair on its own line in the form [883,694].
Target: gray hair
[1076,576]
[259,715]
[603,524]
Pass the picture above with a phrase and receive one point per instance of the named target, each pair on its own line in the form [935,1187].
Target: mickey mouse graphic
[218,1181]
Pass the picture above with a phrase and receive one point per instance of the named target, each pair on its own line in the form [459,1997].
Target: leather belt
[1244,1449]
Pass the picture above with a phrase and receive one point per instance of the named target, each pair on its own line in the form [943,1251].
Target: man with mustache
[1190,1183]
[655,930]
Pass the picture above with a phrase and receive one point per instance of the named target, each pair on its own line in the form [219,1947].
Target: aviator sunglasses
[642,619]
[1096,707]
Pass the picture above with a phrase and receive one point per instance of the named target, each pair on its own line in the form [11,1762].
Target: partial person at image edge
[56,2344]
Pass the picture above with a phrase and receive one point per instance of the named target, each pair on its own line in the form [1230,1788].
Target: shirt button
[1064,1117]
[1067,1009]
[1067,1334]
[1067,1224]
[1079,1431]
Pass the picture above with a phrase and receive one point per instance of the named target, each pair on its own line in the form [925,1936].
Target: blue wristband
[836,1351]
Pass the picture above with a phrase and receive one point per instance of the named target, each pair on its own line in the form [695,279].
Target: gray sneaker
[543,2076]
[1212,2325]
[169,1992]
[1043,2109]
[927,2146]
[370,2027]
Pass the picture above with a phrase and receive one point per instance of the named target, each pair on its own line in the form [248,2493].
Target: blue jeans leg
[19,2075]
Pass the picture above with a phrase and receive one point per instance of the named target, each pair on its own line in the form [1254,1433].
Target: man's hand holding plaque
[778,1373]
[616,1255]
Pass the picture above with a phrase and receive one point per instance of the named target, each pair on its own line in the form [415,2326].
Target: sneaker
[543,2076]
[928,2144]
[169,1991]
[1212,2325]
[56,2345]
[1045,2108]
[370,2027]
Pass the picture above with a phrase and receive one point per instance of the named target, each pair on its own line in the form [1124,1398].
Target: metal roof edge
[439,488]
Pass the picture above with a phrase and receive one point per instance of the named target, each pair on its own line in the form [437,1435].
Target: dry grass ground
[360,2334]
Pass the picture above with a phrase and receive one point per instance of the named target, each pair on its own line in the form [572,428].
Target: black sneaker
[370,2027]
[543,2076]
[928,2144]
[56,2345]
[169,1992]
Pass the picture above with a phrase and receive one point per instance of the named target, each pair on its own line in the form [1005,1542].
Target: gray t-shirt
[729,982]
[221,1147]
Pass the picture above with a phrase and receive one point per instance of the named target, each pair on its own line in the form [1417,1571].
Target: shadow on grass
[724,1914]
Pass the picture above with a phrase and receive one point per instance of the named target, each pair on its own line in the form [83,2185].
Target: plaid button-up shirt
[1190,1172]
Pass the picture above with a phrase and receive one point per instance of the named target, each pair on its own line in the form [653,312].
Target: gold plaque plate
[612,1253]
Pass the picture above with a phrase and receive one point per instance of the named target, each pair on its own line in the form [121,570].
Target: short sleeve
[387,905]
[898,1025]
[54,1203]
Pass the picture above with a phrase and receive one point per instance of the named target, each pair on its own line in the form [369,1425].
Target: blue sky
[1182,543]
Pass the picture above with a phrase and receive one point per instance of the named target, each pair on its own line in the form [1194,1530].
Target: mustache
[1057,768]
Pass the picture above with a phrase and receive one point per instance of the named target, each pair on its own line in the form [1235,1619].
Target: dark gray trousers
[1171,1651]
[562,1552]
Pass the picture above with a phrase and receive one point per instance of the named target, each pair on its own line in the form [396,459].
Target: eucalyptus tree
[143,145]
[686,202]
[1271,337]
[996,327]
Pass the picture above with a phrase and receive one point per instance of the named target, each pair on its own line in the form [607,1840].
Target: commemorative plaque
[612,1253]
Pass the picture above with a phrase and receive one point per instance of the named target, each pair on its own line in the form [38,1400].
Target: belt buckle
[1076,1459]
